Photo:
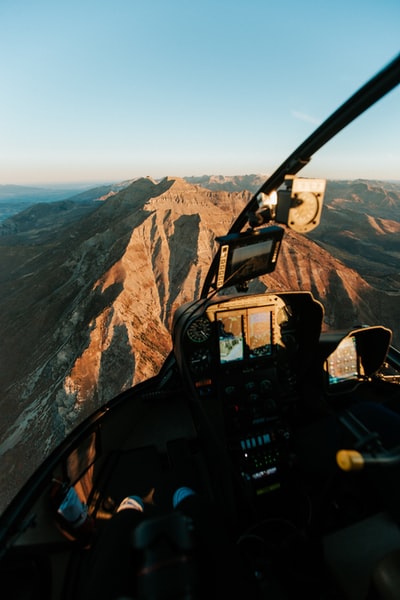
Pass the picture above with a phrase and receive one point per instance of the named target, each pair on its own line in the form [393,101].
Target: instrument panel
[245,346]
[242,361]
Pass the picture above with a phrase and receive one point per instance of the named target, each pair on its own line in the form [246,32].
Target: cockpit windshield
[93,270]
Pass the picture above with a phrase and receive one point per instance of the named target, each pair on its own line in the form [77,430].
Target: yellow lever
[349,460]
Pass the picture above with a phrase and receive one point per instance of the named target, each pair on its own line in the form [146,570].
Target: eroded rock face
[87,301]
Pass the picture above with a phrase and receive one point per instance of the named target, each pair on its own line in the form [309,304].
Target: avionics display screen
[259,332]
[342,364]
[247,260]
[244,334]
[230,336]
[244,256]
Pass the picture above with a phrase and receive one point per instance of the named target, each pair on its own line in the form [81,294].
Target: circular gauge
[304,212]
[199,330]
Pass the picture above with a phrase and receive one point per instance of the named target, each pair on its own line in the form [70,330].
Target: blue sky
[98,90]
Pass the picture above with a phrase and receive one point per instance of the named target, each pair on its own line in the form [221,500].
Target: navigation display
[259,332]
[244,256]
[342,364]
[230,335]
[244,334]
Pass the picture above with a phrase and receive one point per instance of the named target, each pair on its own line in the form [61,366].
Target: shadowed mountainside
[360,225]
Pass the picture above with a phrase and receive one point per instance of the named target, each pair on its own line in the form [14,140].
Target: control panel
[240,358]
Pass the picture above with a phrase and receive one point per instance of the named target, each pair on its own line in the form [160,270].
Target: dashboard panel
[243,360]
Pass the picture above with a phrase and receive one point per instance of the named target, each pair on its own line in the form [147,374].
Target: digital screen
[230,336]
[244,334]
[259,332]
[247,260]
[244,256]
[342,364]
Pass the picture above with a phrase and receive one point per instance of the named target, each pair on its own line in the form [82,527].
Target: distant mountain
[234,183]
[380,199]
[31,194]
[16,198]
[89,287]
[360,225]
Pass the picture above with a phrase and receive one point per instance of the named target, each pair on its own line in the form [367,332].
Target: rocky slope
[361,226]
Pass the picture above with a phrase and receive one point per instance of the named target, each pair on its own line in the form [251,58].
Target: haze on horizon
[94,91]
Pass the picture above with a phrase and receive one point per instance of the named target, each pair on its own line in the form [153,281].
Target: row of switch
[256,441]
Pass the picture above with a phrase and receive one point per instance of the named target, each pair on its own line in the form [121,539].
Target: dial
[307,199]
[304,212]
[199,330]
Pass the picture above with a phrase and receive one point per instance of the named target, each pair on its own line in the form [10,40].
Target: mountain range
[90,284]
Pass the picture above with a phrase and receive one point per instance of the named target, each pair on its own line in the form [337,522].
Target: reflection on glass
[343,363]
